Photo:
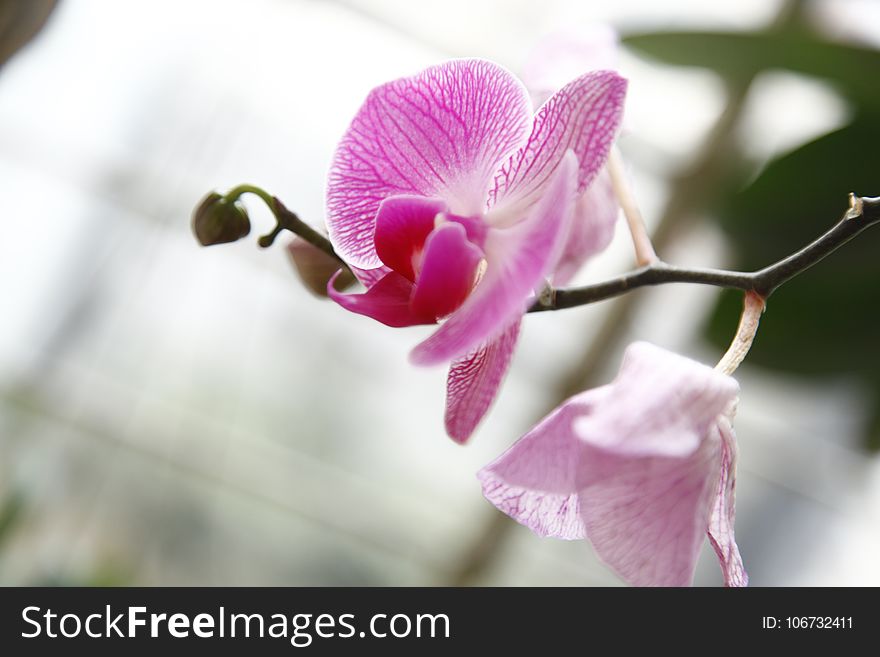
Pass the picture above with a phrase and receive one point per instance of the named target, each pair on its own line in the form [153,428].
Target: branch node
[856,207]
[547,296]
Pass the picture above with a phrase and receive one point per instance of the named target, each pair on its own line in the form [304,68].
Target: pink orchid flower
[452,202]
[643,468]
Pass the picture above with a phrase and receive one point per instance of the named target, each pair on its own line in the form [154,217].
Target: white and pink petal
[721,522]
[583,117]
[443,132]
[661,404]
[592,228]
[646,517]
[473,382]
[535,481]
[643,468]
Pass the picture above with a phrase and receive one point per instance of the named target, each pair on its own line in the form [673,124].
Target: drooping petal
[517,260]
[646,516]
[583,117]
[535,481]
[443,132]
[388,301]
[721,522]
[661,404]
[448,271]
[474,380]
[649,472]
[644,506]
[563,55]
[592,228]
[403,223]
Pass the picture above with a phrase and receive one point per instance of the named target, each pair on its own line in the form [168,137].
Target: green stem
[233,194]
[285,220]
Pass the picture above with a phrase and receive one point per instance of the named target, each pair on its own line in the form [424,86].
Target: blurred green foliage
[111,572]
[11,507]
[825,322]
[851,68]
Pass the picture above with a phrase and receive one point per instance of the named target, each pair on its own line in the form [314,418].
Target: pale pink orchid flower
[452,202]
[643,468]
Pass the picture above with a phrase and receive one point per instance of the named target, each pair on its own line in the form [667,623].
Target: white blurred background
[176,415]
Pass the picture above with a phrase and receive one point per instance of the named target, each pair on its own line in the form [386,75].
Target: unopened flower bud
[316,268]
[218,221]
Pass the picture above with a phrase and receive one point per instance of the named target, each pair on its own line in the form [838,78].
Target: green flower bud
[218,221]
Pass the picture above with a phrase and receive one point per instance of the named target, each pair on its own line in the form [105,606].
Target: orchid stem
[645,254]
[233,194]
[285,220]
[862,213]
[753,307]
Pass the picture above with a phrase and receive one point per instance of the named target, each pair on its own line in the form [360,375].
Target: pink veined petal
[474,380]
[448,271]
[721,522]
[583,117]
[592,228]
[535,481]
[387,301]
[403,223]
[443,132]
[661,404]
[369,277]
[517,260]
[647,516]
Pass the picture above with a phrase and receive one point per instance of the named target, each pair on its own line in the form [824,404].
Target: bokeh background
[178,415]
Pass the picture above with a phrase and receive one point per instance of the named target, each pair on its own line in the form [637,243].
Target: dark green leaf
[853,69]
[825,321]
